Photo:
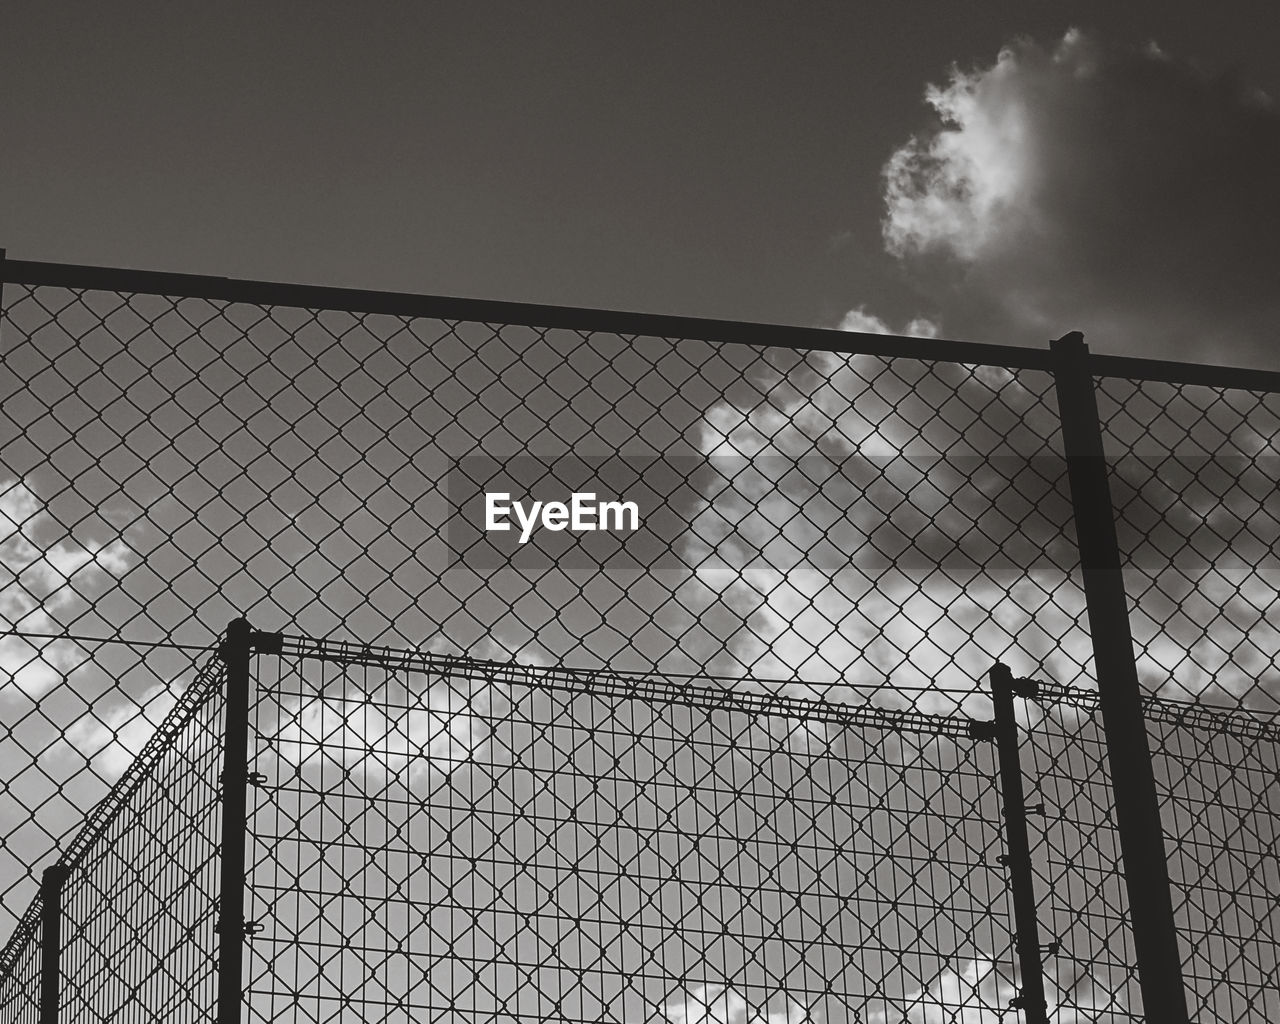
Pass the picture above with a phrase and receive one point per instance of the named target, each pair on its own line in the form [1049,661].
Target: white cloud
[858,319]
[443,732]
[442,723]
[110,737]
[46,577]
[1115,190]
[977,994]
[1118,191]
[806,565]
[720,1004]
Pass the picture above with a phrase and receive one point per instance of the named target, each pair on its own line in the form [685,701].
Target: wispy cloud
[976,994]
[49,572]
[720,1004]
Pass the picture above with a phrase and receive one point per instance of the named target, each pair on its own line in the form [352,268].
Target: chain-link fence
[120,927]
[868,521]
[1194,471]
[1216,773]
[450,839]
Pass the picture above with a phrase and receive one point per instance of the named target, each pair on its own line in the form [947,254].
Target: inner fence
[874,520]
[453,840]
[131,903]
[1218,776]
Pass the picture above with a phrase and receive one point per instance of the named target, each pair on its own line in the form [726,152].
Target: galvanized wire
[850,531]
[435,838]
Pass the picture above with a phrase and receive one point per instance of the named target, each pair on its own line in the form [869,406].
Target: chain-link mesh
[20,963]
[452,839]
[170,463]
[1194,476]
[1216,773]
[870,530]
[137,904]
[1075,854]
[1219,777]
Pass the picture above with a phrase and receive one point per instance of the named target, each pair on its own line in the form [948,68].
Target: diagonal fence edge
[640,686]
[207,681]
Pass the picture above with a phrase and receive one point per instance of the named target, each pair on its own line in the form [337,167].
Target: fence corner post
[1031,999]
[51,882]
[235,651]
[1144,865]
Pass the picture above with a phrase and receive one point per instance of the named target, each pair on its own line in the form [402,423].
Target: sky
[1003,173]
[745,162]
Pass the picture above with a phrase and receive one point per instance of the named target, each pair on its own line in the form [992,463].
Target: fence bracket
[266,643]
[982,730]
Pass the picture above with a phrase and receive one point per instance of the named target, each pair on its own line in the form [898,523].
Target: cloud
[49,572]
[1079,185]
[849,550]
[858,319]
[978,994]
[1118,191]
[720,1004]
[440,723]
[443,730]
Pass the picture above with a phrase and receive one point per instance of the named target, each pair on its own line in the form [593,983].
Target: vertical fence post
[1031,998]
[1146,872]
[51,882]
[235,652]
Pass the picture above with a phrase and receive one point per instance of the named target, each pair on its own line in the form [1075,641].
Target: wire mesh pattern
[1194,476]
[843,541]
[452,839]
[140,890]
[1217,773]
[1075,854]
[1223,797]
[20,964]
[169,463]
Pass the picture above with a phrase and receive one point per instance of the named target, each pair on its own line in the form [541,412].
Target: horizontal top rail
[1166,371]
[573,318]
[264,293]
[634,685]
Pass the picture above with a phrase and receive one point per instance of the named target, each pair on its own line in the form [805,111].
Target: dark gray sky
[698,159]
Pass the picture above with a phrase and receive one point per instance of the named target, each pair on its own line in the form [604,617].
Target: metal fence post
[1146,872]
[1031,999]
[235,652]
[51,882]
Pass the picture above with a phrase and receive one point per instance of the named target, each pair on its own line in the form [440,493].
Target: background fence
[131,901]
[871,520]
[1216,774]
[449,839]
